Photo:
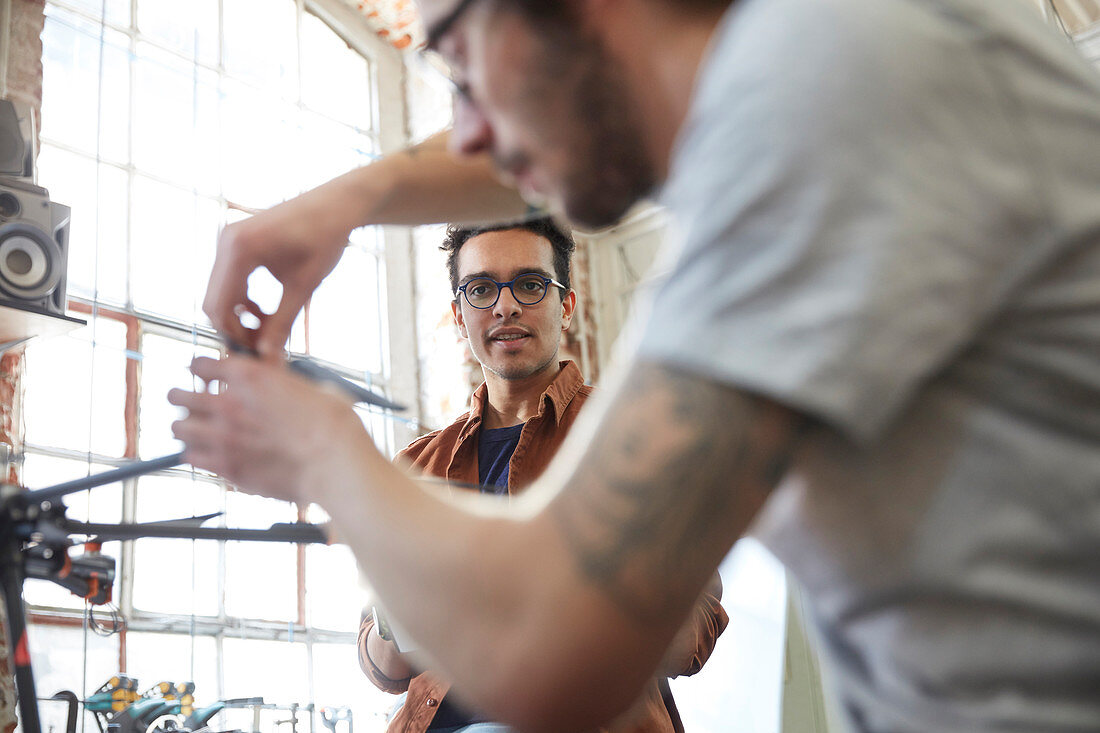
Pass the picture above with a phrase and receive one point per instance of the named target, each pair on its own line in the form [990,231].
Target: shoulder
[573,407]
[569,390]
[420,451]
[840,61]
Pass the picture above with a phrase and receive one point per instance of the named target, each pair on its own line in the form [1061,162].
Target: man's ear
[456,311]
[568,305]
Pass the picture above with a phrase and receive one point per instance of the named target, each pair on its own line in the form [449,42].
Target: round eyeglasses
[527,289]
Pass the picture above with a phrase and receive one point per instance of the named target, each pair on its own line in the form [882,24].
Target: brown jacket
[451,453]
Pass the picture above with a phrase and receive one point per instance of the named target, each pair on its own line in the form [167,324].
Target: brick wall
[23,82]
[24,60]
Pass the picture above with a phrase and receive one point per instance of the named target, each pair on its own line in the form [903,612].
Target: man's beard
[514,372]
[609,170]
[595,122]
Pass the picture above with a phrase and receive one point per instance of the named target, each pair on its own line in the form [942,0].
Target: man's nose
[471,133]
[507,305]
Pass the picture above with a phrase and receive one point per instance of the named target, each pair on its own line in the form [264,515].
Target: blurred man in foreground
[877,344]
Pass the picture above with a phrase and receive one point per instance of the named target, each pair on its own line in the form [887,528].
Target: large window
[162,121]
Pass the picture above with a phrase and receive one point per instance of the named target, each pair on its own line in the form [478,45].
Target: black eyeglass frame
[444,24]
[546,282]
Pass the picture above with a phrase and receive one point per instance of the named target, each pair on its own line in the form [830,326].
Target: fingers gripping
[276,327]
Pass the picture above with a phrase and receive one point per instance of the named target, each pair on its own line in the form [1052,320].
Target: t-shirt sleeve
[838,210]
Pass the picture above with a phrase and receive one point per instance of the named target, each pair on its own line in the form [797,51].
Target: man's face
[511,340]
[549,106]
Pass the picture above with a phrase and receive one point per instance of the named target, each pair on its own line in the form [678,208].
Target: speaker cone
[30,262]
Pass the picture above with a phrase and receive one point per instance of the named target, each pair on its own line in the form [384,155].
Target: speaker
[16,139]
[34,234]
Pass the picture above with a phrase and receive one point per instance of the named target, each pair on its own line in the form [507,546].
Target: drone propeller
[184,523]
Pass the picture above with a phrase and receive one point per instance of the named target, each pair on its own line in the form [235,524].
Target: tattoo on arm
[678,469]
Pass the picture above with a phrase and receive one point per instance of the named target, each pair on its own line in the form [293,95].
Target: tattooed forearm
[679,468]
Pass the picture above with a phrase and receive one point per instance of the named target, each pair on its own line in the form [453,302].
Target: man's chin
[514,372]
[598,212]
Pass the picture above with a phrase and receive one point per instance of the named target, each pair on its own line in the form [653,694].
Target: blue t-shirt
[494,451]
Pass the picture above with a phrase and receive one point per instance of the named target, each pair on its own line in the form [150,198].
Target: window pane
[368,239]
[72,81]
[430,106]
[175,575]
[97,233]
[174,233]
[190,28]
[153,658]
[743,679]
[334,595]
[328,149]
[165,364]
[259,147]
[335,79]
[165,497]
[274,670]
[261,44]
[261,578]
[340,683]
[75,394]
[164,115]
[379,425]
[145,237]
[57,655]
[118,11]
[101,504]
[344,314]
[208,163]
[444,355]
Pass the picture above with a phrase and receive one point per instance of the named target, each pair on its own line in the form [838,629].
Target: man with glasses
[512,303]
[876,343]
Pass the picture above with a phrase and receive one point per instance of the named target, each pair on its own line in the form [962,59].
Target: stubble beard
[598,128]
[600,187]
[511,373]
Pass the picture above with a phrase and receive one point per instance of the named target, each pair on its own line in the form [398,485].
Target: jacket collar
[559,394]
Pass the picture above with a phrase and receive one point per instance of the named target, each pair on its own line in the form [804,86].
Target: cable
[117,622]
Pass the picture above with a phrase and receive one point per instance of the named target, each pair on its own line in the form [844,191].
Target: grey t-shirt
[888,218]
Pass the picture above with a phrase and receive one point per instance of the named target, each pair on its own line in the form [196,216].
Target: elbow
[561,656]
[568,681]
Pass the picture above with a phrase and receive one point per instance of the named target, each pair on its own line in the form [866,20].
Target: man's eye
[477,290]
[531,285]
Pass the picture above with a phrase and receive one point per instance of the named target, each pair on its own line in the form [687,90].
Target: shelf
[19,322]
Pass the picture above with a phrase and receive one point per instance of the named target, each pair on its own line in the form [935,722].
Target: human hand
[694,641]
[299,242]
[267,430]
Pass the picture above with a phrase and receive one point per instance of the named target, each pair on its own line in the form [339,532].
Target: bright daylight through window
[162,121]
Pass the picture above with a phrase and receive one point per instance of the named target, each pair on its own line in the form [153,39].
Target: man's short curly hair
[560,241]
